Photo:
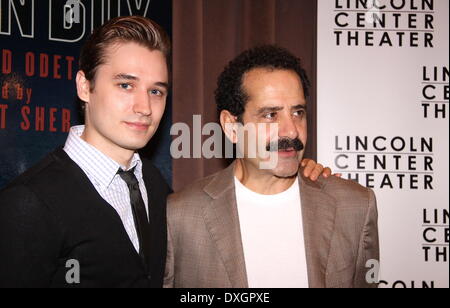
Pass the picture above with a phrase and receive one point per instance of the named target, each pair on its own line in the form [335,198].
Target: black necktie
[139,214]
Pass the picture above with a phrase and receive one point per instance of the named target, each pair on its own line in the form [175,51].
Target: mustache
[284,144]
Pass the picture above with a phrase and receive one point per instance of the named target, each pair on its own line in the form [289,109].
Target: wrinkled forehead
[279,88]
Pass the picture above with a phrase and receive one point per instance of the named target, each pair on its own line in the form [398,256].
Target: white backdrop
[383,121]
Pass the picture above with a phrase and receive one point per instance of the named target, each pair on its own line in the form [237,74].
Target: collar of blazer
[222,219]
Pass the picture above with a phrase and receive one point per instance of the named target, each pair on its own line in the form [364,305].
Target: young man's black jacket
[53,214]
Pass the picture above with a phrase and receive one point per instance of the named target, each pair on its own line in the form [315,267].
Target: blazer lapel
[222,221]
[318,224]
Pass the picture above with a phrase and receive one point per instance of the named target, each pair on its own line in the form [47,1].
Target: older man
[256,226]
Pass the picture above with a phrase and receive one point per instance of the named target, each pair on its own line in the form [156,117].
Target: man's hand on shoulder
[313,170]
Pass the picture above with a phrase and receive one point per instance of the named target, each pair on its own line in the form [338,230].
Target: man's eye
[270,116]
[299,113]
[156,92]
[125,86]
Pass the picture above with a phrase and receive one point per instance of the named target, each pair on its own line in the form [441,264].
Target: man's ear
[83,87]
[229,124]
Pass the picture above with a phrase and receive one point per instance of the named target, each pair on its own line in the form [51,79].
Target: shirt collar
[94,163]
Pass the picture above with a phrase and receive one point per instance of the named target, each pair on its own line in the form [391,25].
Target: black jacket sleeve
[29,239]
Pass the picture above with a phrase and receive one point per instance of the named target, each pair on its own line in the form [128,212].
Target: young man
[93,214]
[95,203]
[249,226]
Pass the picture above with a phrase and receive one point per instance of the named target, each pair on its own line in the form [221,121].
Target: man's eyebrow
[164,85]
[134,78]
[276,109]
[269,109]
[125,77]
[298,107]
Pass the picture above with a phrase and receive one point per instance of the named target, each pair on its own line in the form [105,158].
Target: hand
[314,170]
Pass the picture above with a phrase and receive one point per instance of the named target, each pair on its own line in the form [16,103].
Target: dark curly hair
[230,94]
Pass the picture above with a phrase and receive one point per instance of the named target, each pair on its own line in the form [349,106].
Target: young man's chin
[134,146]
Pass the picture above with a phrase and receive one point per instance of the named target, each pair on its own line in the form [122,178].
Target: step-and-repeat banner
[40,42]
[383,104]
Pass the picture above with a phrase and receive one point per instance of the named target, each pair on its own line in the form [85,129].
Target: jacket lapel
[222,221]
[318,224]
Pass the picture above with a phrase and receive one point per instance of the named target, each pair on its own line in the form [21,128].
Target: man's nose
[287,128]
[142,104]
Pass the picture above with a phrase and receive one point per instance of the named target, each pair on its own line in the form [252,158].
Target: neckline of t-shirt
[287,192]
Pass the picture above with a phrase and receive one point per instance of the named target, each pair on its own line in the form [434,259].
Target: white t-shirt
[272,237]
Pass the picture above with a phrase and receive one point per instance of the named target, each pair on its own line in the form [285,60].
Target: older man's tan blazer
[205,247]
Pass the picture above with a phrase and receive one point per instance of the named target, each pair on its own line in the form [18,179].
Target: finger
[304,162]
[339,175]
[316,172]
[326,172]
[308,166]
